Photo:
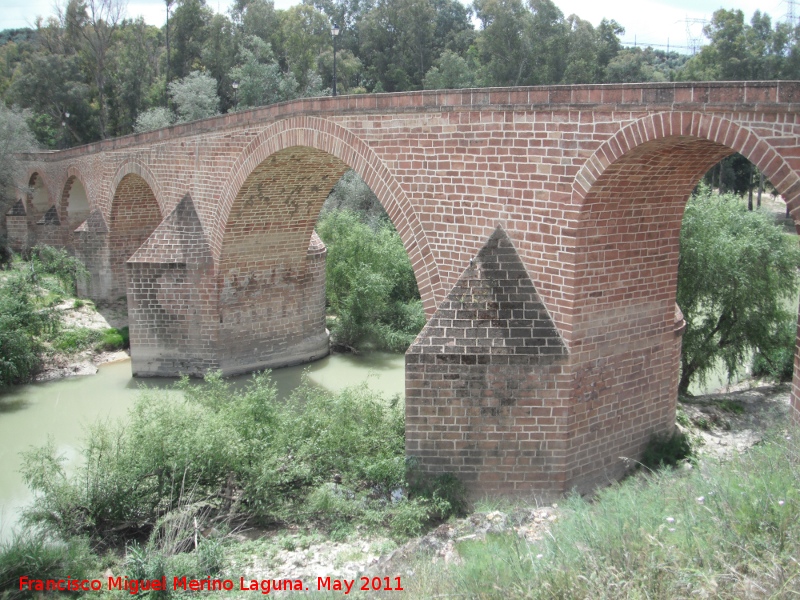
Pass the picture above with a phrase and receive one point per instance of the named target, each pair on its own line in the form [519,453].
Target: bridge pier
[487,382]
[184,320]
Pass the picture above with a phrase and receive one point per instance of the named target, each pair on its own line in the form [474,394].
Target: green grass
[34,554]
[723,533]
[72,341]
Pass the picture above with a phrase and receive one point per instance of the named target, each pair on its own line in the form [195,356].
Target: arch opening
[271,270]
[74,207]
[625,329]
[38,197]
[135,214]
[74,202]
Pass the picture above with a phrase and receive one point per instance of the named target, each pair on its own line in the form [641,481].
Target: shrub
[335,459]
[70,341]
[6,254]
[737,271]
[114,339]
[23,323]
[666,450]
[57,262]
[777,362]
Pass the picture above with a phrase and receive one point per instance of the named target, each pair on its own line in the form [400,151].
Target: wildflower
[700,499]
[539,555]
[780,503]
[670,520]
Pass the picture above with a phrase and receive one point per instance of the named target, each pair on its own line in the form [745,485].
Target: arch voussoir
[324,135]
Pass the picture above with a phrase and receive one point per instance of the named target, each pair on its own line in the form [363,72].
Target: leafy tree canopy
[737,284]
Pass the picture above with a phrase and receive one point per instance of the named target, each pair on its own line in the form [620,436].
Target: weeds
[33,554]
[720,533]
[336,460]
[666,449]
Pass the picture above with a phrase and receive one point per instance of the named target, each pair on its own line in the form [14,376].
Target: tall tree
[548,34]
[15,137]
[505,49]
[306,32]
[189,35]
[135,81]
[195,97]
[398,44]
[219,56]
[96,24]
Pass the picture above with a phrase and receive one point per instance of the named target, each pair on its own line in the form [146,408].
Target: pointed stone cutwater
[50,218]
[172,298]
[94,223]
[482,380]
[18,210]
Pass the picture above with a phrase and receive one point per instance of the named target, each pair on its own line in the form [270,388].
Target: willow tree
[737,285]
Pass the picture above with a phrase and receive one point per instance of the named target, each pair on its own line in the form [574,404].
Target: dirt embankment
[85,362]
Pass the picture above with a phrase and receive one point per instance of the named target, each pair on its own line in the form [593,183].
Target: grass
[34,554]
[732,531]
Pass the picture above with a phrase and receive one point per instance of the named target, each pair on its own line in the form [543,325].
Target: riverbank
[723,426]
[79,315]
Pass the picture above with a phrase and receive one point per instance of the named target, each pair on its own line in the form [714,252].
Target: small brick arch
[73,174]
[34,212]
[134,214]
[134,167]
[326,136]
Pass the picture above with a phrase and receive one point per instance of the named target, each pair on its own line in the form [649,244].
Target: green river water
[62,409]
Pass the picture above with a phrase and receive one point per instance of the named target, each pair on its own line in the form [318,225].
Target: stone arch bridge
[542,225]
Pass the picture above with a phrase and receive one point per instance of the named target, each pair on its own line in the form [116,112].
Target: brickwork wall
[272,285]
[588,183]
[73,209]
[17,227]
[483,382]
[90,243]
[172,306]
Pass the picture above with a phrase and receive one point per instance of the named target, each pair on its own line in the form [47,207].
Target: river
[62,409]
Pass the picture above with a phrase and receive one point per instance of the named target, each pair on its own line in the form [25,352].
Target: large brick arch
[133,215]
[624,338]
[713,128]
[343,146]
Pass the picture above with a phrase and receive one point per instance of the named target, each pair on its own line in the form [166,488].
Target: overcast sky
[645,21]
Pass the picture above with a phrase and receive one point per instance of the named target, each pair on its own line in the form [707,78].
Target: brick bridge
[542,225]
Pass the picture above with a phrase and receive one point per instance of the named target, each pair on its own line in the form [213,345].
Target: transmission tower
[693,41]
[791,11]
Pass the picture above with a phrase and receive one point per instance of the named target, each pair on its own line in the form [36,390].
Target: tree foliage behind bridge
[737,285]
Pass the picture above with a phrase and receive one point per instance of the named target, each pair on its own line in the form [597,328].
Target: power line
[668,46]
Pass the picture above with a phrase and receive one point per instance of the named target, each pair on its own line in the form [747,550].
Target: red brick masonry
[548,357]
